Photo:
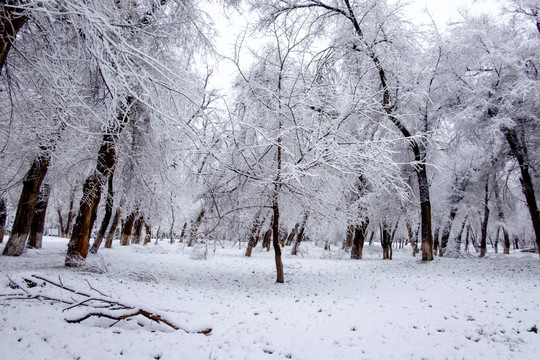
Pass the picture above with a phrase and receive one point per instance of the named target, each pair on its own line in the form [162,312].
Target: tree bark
[483,227]
[254,235]
[195,229]
[359,239]
[299,236]
[11,21]
[277,249]
[35,239]
[128,228]
[67,232]
[386,242]
[78,245]
[139,224]
[292,234]
[106,217]
[27,204]
[112,230]
[3,218]
[519,150]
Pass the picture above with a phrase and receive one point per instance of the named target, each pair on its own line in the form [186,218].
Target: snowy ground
[330,307]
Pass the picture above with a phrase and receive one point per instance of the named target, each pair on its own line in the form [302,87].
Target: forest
[345,131]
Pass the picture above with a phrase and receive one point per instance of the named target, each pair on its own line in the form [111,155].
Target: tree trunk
[386,242]
[254,235]
[195,229]
[506,241]
[519,149]
[128,228]
[459,236]
[183,233]
[35,239]
[358,240]
[483,238]
[67,230]
[348,239]
[277,249]
[106,217]
[79,242]
[3,218]
[436,240]
[299,236]
[11,21]
[61,221]
[112,230]
[292,234]
[88,206]
[148,236]
[139,224]
[27,204]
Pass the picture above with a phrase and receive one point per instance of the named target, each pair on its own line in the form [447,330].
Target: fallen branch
[95,306]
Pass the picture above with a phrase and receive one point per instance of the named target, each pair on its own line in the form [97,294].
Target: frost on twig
[91,304]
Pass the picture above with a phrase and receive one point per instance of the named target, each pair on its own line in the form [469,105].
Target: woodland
[345,123]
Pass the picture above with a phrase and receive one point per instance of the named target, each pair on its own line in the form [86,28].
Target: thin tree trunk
[11,21]
[128,228]
[183,233]
[292,234]
[112,230]
[519,149]
[254,235]
[483,238]
[459,235]
[35,239]
[195,229]
[436,240]
[148,236]
[106,216]
[349,238]
[277,249]
[300,236]
[67,230]
[27,204]
[61,221]
[386,242]
[267,240]
[3,218]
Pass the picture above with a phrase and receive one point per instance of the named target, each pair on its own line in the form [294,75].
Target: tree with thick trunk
[127,229]
[359,239]
[139,225]
[519,150]
[79,242]
[35,239]
[27,204]
[11,21]
[195,228]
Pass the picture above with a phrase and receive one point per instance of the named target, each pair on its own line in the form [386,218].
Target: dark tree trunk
[67,230]
[35,239]
[459,235]
[183,233]
[277,249]
[386,242]
[3,218]
[106,217]
[195,229]
[299,236]
[267,239]
[436,240]
[292,234]
[128,228]
[349,238]
[358,240]
[27,204]
[148,236]
[139,224]
[11,21]
[483,227]
[254,235]
[79,242]
[61,222]
[112,230]
[519,150]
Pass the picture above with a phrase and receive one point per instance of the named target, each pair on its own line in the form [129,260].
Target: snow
[330,307]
